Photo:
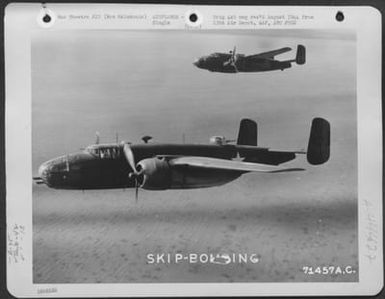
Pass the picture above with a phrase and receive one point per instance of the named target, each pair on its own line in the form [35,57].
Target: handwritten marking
[371,232]
[15,239]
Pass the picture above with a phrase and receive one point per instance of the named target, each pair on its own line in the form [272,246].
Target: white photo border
[21,22]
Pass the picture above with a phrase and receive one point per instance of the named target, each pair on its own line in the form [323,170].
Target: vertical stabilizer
[301,55]
[248,132]
[318,151]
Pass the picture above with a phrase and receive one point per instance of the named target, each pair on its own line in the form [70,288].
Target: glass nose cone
[43,171]
[196,62]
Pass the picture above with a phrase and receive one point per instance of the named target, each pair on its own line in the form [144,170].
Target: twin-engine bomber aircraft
[177,166]
[235,63]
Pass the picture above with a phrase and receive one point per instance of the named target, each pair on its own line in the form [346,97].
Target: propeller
[233,59]
[133,175]
[130,157]
[233,54]
[136,176]
[135,172]
[136,191]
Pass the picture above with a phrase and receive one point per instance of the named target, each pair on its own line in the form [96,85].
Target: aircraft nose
[197,62]
[44,171]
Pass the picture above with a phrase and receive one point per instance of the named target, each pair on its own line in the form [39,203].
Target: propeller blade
[130,157]
[136,190]
[135,176]
[232,61]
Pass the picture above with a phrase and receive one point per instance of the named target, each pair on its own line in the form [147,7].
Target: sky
[138,83]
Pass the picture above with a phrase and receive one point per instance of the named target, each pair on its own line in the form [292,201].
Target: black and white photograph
[163,156]
[163,151]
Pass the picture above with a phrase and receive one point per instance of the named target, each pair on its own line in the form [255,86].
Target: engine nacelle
[155,174]
[160,174]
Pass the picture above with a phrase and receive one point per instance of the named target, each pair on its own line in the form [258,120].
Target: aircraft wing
[270,54]
[215,163]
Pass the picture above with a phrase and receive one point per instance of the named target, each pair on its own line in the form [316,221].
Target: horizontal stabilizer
[318,151]
[222,164]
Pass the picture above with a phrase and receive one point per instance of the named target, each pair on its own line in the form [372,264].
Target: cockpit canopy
[104,151]
[224,55]
[219,55]
[216,54]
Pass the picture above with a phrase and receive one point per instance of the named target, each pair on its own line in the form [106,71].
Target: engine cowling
[160,174]
[155,174]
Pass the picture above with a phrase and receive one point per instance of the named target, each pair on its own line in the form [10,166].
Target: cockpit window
[92,150]
[104,152]
[216,55]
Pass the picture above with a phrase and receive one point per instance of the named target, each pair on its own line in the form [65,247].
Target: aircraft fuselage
[219,62]
[160,166]
[105,167]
